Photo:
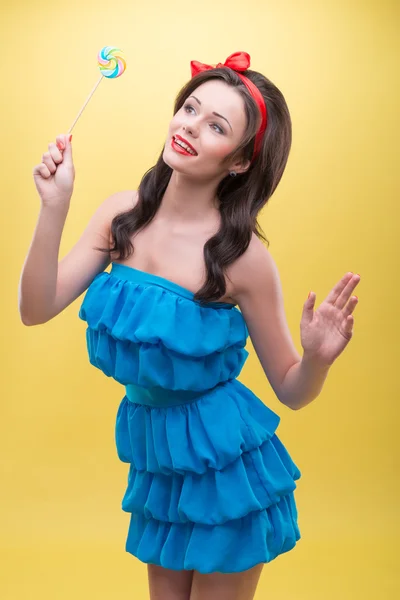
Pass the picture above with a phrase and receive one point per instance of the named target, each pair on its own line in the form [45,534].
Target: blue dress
[210,485]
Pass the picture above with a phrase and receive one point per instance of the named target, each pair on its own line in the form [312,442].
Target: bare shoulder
[120,202]
[249,271]
[117,203]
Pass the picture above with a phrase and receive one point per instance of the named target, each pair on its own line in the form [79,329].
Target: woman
[210,487]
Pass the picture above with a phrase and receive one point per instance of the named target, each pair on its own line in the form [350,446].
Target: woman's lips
[179,149]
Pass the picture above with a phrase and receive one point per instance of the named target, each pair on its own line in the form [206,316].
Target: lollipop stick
[81,111]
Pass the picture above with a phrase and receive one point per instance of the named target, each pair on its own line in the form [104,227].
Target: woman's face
[212,121]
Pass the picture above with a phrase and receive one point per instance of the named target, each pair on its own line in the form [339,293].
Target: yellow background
[336,209]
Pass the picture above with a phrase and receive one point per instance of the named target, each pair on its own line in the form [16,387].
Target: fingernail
[60,146]
[70,137]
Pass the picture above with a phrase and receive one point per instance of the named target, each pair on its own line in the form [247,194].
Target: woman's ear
[240,166]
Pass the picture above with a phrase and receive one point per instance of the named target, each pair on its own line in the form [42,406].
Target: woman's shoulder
[246,270]
[115,204]
[122,201]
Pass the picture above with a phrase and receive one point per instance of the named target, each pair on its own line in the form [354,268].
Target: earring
[232,173]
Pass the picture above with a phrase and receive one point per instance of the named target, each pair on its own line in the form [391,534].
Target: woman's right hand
[54,176]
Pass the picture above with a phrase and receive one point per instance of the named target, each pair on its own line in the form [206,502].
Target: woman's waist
[158,396]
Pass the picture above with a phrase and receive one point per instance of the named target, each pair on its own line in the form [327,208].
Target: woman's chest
[176,254]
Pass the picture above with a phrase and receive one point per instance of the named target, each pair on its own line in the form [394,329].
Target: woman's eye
[220,128]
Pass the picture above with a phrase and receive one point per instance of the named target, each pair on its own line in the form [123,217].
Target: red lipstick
[179,149]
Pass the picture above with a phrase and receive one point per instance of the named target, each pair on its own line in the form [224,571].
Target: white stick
[81,111]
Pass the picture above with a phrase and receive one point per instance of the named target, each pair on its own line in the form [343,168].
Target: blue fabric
[210,485]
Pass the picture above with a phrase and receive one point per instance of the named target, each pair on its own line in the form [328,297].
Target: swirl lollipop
[112,64]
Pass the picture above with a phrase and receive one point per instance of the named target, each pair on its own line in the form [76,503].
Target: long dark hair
[240,198]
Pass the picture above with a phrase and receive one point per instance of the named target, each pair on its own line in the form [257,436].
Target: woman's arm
[303,382]
[48,286]
[39,273]
[296,380]
[258,292]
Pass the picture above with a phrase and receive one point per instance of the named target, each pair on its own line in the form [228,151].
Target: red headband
[240,61]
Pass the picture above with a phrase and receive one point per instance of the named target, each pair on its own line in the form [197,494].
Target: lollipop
[112,64]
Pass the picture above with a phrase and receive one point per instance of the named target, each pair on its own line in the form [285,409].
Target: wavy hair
[240,198]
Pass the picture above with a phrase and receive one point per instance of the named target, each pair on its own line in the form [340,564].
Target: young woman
[210,487]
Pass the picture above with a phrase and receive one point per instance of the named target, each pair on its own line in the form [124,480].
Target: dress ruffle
[210,485]
[234,546]
[256,480]
[209,433]
[145,334]
[206,472]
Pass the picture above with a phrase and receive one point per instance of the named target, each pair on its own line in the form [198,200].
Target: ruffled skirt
[210,485]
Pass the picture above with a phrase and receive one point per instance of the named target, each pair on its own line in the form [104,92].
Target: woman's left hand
[326,332]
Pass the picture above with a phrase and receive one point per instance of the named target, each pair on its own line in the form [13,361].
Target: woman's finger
[348,326]
[350,306]
[60,142]
[41,170]
[338,288]
[49,162]
[55,153]
[341,292]
[347,291]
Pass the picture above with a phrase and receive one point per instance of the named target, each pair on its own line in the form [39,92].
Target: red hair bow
[240,61]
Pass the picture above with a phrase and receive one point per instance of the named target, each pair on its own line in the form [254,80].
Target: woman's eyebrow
[214,113]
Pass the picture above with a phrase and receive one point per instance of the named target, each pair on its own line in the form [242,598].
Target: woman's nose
[192,129]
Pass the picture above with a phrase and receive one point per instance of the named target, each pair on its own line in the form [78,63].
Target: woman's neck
[186,200]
